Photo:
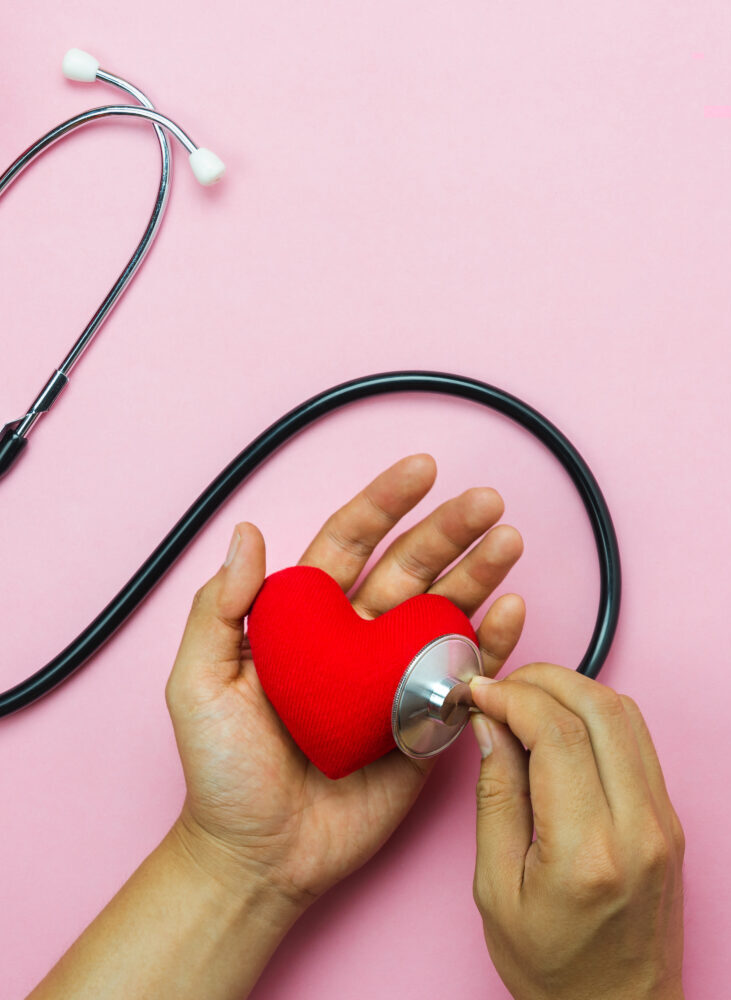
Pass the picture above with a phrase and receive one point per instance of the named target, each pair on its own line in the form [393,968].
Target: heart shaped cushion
[330,674]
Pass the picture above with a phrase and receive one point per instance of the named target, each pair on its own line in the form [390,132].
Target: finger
[653,770]
[499,632]
[482,570]
[504,815]
[567,795]
[620,766]
[349,536]
[647,750]
[415,559]
[211,643]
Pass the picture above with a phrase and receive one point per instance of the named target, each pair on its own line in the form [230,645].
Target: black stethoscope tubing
[86,644]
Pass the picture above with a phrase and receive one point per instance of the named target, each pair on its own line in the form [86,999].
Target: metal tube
[86,118]
[41,403]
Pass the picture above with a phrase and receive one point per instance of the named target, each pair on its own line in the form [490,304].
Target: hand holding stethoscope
[591,907]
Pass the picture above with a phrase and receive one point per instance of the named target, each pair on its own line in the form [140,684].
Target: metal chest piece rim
[432,702]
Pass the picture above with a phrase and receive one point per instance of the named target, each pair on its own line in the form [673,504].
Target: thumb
[504,814]
[215,627]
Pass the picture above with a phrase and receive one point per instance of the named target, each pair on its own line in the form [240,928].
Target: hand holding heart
[256,806]
[332,676]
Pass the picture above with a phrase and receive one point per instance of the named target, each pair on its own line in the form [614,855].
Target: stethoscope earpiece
[206,166]
[80,66]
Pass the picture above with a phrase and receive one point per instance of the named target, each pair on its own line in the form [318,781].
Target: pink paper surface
[537,195]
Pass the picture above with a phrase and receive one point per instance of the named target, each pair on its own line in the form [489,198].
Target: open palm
[251,791]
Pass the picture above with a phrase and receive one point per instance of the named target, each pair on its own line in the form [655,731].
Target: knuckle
[410,563]
[607,702]
[566,731]
[597,875]
[479,894]
[630,705]
[494,795]
[198,599]
[380,512]
[487,895]
[348,543]
[678,835]
[654,852]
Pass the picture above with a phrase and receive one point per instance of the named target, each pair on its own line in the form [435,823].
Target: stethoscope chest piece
[432,702]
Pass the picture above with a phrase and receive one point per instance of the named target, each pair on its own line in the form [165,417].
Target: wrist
[236,882]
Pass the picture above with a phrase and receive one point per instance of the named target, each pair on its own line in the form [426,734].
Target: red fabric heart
[330,674]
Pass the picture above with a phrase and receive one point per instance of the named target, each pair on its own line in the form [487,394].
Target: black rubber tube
[238,471]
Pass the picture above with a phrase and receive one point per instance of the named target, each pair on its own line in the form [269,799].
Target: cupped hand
[255,805]
[579,849]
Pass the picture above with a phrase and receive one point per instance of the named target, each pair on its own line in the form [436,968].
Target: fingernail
[232,549]
[481,729]
[479,681]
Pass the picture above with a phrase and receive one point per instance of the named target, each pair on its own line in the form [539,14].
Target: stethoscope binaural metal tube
[60,377]
[158,210]
[86,118]
[14,434]
[88,642]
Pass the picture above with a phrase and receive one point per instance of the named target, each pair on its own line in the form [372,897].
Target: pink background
[537,195]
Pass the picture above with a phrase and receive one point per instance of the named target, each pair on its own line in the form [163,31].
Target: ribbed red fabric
[331,675]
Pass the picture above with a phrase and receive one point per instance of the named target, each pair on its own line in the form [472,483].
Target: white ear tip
[206,166]
[78,65]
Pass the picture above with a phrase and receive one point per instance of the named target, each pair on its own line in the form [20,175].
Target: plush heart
[330,674]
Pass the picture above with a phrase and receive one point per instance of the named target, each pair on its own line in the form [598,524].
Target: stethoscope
[208,169]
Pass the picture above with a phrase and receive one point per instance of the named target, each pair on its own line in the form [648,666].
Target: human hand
[255,806]
[593,907]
